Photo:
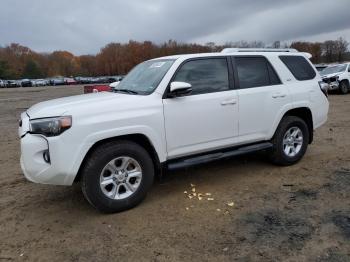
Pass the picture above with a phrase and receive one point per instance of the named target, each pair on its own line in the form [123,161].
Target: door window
[255,72]
[205,75]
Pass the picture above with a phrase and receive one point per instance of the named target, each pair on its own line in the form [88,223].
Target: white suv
[174,112]
[338,77]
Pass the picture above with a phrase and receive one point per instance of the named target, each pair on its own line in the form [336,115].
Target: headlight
[52,126]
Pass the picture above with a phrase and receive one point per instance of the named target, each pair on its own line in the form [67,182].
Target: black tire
[343,87]
[278,156]
[94,165]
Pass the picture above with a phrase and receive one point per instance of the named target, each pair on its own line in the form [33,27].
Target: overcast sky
[84,26]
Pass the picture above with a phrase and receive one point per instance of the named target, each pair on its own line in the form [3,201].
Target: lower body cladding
[39,166]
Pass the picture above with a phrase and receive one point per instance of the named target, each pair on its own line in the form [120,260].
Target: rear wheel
[117,176]
[343,87]
[290,141]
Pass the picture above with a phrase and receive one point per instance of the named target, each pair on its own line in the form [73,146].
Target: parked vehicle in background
[26,83]
[96,89]
[57,81]
[70,81]
[83,80]
[338,77]
[2,83]
[174,112]
[12,83]
[40,82]
[320,67]
[114,84]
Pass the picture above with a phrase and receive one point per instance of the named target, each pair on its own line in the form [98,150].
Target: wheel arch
[305,114]
[138,138]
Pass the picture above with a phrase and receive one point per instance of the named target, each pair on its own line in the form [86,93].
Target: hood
[331,75]
[68,105]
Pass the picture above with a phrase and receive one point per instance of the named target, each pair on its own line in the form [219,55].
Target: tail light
[324,87]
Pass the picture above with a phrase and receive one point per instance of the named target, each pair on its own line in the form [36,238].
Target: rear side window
[205,75]
[255,72]
[299,67]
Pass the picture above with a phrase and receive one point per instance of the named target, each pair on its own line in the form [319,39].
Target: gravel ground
[297,213]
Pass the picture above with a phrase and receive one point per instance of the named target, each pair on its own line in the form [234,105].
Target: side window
[255,72]
[205,75]
[274,79]
[299,67]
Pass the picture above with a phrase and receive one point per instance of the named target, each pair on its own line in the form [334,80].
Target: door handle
[277,95]
[229,102]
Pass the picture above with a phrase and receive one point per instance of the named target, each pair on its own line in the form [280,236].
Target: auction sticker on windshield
[158,64]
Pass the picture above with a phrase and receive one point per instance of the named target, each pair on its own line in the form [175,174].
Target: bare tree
[341,47]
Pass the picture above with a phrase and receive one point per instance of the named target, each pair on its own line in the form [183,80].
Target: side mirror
[180,89]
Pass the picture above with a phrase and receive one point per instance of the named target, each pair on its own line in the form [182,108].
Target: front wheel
[290,141]
[343,87]
[117,176]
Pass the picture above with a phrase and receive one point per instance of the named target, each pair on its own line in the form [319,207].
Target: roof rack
[232,50]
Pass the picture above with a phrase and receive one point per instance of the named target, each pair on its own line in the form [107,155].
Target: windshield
[333,69]
[145,77]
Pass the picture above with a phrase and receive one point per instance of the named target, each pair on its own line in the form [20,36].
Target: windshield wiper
[126,91]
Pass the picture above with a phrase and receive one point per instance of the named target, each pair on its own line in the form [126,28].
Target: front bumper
[46,160]
[35,166]
[333,83]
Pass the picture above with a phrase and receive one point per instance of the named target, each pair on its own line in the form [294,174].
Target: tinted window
[299,67]
[274,79]
[205,75]
[255,72]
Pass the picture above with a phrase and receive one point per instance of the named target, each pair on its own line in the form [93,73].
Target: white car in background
[40,82]
[338,77]
[114,84]
[2,83]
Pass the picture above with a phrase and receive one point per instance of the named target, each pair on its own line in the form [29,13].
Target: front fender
[92,139]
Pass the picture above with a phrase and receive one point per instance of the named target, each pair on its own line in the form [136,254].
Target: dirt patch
[276,229]
[333,256]
[342,220]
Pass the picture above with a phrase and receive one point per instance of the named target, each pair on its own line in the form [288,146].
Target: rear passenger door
[261,97]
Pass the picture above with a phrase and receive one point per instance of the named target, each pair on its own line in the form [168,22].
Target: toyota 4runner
[174,112]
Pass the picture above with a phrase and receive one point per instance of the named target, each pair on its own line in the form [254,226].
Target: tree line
[17,61]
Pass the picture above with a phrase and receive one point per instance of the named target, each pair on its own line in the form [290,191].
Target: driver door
[207,118]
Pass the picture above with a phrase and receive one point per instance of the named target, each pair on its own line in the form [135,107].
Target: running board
[196,160]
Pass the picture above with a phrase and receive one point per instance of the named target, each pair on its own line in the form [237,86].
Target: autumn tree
[315,49]
[32,70]
[18,61]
